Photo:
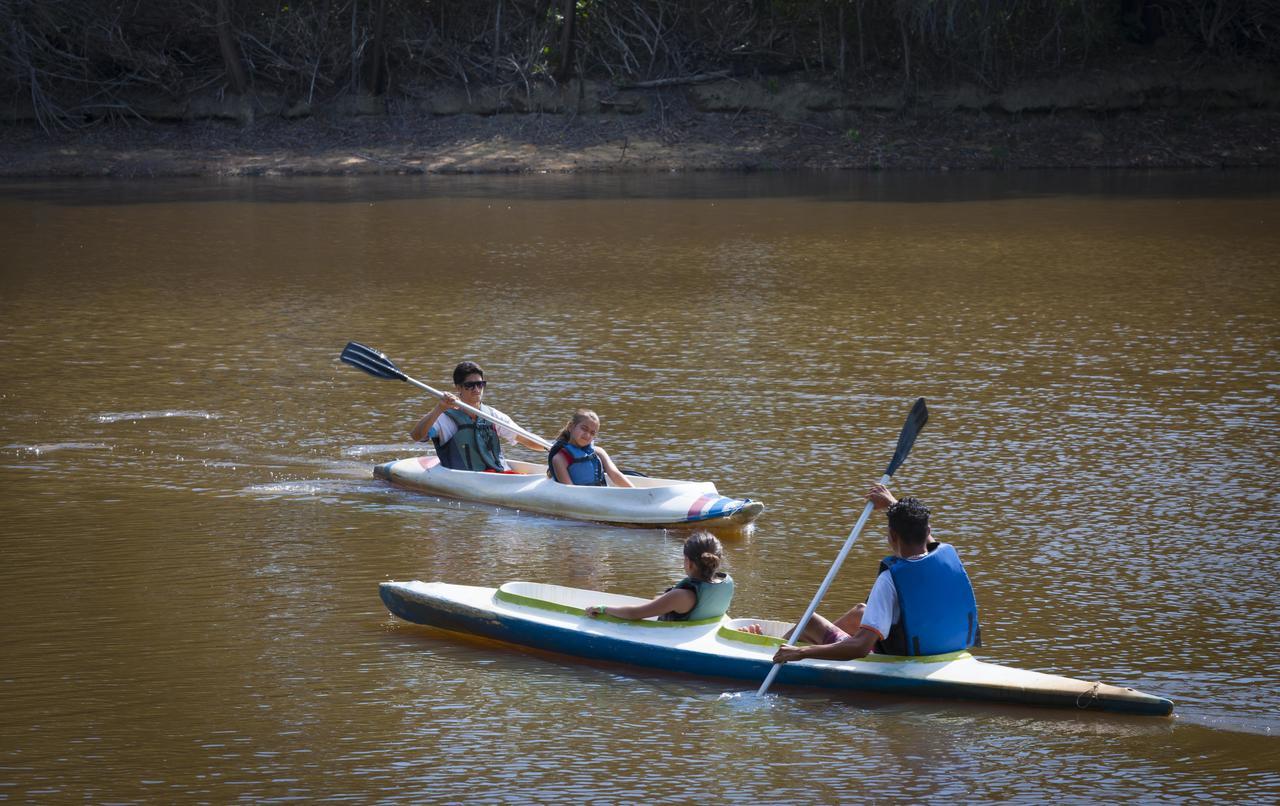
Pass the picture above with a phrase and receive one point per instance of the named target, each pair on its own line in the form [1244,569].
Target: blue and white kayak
[652,503]
[550,617]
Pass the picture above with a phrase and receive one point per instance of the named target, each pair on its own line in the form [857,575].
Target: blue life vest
[474,446]
[712,598]
[585,467]
[937,610]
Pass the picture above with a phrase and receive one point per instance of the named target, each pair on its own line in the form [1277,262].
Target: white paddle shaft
[822,589]
[477,413]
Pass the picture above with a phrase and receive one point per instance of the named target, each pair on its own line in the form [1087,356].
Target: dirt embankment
[1119,119]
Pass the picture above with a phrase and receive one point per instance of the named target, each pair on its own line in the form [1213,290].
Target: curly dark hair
[464,369]
[909,518]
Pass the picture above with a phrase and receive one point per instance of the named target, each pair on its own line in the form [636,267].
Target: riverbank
[679,131]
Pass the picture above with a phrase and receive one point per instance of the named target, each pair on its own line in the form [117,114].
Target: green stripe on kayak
[943,658]
[730,634]
[556,607]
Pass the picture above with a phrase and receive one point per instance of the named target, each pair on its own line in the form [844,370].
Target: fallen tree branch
[675,80]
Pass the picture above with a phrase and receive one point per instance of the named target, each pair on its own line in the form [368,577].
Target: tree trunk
[497,41]
[840,60]
[319,55]
[230,49]
[376,76]
[355,48]
[567,41]
[905,34]
[862,50]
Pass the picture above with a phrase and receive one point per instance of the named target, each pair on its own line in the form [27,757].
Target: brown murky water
[193,542]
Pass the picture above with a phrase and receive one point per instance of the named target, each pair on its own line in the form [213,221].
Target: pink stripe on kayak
[428,462]
[701,504]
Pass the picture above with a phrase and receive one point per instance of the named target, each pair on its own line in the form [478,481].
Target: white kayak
[652,503]
[550,617]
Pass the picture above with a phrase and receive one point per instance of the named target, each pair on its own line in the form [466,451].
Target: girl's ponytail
[705,552]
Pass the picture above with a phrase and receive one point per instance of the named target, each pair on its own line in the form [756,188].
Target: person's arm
[419,432]
[855,646]
[611,470]
[677,600]
[876,619]
[560,467]
[530,444]
[501,420]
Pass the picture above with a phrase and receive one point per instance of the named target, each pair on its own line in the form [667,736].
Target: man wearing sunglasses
[464,442]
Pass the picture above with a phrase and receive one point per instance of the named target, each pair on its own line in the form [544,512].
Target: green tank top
[713,598]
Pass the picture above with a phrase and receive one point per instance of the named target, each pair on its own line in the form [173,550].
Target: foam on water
[129,416]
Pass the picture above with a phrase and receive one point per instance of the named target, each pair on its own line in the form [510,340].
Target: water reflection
[828,186]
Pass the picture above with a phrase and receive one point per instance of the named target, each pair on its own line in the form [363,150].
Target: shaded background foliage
[72,60]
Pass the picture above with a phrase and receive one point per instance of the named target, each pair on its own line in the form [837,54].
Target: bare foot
[754,629]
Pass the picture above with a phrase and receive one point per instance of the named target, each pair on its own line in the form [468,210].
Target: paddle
[379,366]
[915,421]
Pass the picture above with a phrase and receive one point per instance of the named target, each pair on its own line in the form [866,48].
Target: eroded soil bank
[1092,122]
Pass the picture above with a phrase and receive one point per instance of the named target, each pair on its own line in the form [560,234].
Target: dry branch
[675,81]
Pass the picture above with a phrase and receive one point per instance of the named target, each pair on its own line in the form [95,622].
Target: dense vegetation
[72,60]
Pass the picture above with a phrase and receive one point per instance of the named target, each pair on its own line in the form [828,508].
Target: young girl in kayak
[704,593]
[574,458]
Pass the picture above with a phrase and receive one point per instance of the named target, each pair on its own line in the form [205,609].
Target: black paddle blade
[915,421]
[371,361]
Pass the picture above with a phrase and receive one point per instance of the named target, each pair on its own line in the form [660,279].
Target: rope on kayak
[1086,698]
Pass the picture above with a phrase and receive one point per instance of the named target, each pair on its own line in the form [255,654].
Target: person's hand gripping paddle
[915,421]
[378,365]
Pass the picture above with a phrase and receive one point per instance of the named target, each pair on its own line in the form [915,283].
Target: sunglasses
[473,384]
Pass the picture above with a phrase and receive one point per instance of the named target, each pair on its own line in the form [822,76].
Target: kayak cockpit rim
[557,599]
[772,631]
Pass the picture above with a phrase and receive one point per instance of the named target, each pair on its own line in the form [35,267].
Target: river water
[193,541]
